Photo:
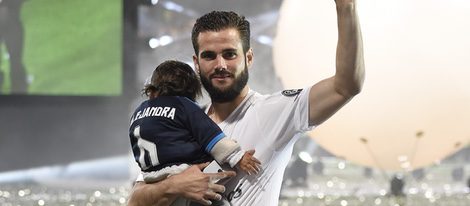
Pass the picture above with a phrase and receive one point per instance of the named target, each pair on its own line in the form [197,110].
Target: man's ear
[196,64]
[249,57]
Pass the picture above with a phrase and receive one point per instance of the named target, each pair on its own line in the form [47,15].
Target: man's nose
[221,63]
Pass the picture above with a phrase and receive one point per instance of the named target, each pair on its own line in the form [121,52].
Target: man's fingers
[200,198]
[228,174]
[204,202]
[251,152]
[202,165]
[216,188]
[222,175]
[212,195]
[215,177]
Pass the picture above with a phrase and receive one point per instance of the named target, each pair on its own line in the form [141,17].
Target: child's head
[173,78]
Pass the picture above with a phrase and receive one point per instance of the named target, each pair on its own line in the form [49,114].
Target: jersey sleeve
[206,131]
[282,115]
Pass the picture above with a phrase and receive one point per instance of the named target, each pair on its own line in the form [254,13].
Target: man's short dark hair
[219,20]
[174,78]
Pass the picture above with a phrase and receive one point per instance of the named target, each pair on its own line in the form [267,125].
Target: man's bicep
[324,101]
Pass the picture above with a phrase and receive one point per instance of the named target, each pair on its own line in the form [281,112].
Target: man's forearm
[349,53]
[191,184]
[151,194]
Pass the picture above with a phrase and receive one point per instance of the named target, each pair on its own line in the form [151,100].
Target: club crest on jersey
[291,92]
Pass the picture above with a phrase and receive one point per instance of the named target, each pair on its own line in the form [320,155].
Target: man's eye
[208,56]
[230,55]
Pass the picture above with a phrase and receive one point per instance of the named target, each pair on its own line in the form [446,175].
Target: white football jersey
[269,124]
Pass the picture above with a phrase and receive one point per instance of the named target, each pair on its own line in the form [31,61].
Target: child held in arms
[169,132]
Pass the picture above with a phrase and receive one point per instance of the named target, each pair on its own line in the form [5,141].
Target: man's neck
[218,112]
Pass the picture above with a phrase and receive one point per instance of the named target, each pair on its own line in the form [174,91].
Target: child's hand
[249,164]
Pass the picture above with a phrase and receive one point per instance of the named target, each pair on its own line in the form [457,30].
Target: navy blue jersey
[170,130]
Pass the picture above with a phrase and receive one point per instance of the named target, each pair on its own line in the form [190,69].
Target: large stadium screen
[61,47]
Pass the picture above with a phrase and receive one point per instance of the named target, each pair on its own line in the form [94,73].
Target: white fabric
[269,124]
[155,176]
[140,177]
[235,157]
[224,150]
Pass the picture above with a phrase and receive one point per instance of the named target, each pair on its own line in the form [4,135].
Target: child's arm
[229,151]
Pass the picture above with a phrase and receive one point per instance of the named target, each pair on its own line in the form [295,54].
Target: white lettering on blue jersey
[168,112]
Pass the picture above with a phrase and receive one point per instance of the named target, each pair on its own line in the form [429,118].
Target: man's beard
[227,94]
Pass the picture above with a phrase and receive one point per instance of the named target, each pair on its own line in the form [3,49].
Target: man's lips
[221,76]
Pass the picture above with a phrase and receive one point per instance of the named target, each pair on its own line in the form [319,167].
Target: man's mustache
[220,73]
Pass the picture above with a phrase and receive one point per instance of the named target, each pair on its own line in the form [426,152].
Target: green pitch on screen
[71,47]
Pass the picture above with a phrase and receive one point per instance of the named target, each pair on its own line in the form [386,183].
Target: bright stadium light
[263,39]
[172,6]
[165,40]
[304,156]
[154,43]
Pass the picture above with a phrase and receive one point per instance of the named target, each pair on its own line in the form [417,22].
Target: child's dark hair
[174,78]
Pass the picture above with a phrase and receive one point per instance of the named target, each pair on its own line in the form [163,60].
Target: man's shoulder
[276,96]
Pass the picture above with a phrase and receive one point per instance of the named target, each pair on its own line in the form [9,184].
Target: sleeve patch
[291,92]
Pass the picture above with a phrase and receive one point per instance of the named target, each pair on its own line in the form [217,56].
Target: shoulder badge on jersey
[291,92]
